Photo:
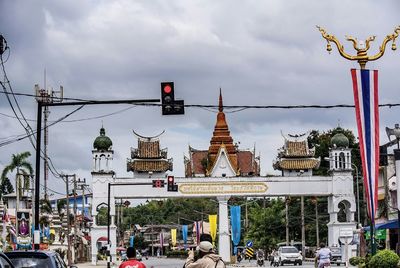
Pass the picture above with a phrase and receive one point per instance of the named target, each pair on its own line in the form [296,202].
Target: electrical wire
[242,107]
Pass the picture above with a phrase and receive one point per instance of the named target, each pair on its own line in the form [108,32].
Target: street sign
[249,244]
[249,252]
[346,232]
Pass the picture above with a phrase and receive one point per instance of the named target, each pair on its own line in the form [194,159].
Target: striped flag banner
[365,89]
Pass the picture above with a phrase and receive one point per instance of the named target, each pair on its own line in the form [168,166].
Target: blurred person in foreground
[207,257]
[132,262]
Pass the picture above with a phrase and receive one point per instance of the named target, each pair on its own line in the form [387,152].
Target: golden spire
[221,136]
[220,105]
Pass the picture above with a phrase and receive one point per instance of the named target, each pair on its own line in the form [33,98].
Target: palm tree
[24,170]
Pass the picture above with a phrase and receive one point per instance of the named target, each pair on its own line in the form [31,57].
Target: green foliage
[23,167]
[357,260]
[267,224]
[45,206]
[170,211]
[6,187]
[384,259]
[61,204]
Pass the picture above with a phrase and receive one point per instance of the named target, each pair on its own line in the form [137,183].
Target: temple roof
[297,164]
[201,162]
[247,164]
[295,154]
[221,135]
[296,146]
[148,156]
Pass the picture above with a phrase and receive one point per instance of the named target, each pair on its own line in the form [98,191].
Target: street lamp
[357,187]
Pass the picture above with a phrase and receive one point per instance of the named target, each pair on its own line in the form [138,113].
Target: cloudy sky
[258,52]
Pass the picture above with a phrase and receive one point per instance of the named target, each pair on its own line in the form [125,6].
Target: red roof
[246,163]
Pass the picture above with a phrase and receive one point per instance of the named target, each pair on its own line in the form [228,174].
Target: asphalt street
[178,263]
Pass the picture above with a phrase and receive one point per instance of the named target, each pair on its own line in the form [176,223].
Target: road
[177,263]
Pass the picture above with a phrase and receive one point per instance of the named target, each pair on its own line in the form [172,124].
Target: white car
[289,254]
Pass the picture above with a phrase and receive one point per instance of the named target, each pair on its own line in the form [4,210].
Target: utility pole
[317,221]
[68,226]
[40,105]
[287,220]
[82,184]
[75,219]
[17,204]
[303,231]
[47,96]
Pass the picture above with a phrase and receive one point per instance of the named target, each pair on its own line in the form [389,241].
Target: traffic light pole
[36,237]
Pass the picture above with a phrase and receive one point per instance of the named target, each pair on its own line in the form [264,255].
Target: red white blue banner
[365,89]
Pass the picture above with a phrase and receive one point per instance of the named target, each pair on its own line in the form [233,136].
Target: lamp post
[361,47]
[362,58]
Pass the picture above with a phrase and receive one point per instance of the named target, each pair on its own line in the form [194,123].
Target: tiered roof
[202,162]
[295,154]
[148,157]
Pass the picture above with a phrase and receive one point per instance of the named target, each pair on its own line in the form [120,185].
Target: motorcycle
[275,261]
[325,265]
[260,262]
[239,258]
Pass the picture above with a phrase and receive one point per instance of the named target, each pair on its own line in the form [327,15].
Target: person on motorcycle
[324,255]
[260,257]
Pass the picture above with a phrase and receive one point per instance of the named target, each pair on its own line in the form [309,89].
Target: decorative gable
[222,166]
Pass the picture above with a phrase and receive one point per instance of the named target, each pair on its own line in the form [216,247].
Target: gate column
[224,242]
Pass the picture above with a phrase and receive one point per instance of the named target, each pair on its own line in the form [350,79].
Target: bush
[356,260]
[177,254]
[384,259]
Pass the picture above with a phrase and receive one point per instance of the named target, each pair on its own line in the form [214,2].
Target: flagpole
[362,58]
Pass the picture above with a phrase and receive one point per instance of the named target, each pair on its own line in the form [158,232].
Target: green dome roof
[102,142]
[340,140]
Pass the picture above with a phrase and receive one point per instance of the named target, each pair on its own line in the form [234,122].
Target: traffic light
[168,102]
[172,187]
[158,184]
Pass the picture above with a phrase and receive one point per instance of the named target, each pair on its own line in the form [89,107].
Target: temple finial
[220,105]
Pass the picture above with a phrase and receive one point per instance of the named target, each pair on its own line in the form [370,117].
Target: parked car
[289,254]
[36,259]
[337,256]
[5,261]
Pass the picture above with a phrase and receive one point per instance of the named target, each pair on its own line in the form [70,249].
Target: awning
[392,224]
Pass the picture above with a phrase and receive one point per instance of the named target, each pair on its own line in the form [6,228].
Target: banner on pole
[365,89]
[184,235]
[235,226]
[173,237]
[213,227]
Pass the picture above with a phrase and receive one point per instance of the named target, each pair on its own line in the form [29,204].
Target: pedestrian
[132,262]
[208,257]
[324,255]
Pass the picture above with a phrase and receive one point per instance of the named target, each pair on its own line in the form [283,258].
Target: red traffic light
[167,88]
[171,179]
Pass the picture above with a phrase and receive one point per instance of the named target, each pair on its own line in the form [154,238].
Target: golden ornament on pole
[361,47]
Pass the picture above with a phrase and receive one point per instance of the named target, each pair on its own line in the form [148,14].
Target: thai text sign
[223,188]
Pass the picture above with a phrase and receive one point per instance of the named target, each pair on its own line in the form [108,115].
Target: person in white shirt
[324,255]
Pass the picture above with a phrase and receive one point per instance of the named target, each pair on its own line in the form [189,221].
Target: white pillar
[224,242]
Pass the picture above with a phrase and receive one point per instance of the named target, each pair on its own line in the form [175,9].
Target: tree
[267,226]
[23,167]
[45,206]
[6,187]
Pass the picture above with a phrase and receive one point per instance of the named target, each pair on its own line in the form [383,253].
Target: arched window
[342,161]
